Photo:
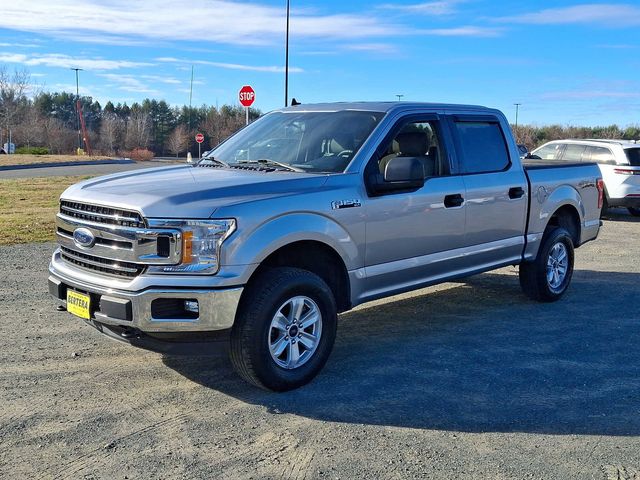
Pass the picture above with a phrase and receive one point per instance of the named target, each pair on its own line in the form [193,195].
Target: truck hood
[186,191]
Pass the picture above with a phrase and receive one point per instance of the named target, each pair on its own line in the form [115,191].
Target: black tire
[634,211]
[605,205]
[263,297]
[533,275]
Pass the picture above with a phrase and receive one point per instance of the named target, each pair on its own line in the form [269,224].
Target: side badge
[338,204]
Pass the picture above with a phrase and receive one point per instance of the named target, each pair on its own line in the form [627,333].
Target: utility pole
[517,108]
[399,97]
[78,107]
[286,62]
[190,97]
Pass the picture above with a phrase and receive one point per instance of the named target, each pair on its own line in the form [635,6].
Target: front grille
[99,214]
[98,264]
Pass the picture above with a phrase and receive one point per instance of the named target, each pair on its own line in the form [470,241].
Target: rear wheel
[285,329]
[547,278]
[634,211]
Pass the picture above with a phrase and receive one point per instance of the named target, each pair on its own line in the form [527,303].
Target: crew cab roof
[386,107]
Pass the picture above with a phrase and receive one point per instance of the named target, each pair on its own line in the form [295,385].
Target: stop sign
[199,138]
[246,95]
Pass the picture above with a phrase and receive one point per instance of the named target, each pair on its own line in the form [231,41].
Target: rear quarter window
[600,155]
[483,146]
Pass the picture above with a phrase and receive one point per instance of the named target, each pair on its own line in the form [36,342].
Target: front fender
[253,246]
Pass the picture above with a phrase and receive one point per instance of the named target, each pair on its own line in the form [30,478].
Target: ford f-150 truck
[306,213]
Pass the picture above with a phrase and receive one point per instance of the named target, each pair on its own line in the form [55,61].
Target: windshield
[303,141]
[633,154]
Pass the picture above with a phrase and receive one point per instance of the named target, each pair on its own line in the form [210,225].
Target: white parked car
[619,162]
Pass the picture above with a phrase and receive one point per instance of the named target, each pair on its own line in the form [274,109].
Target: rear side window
[633,154]
[483,147]
[600,155]
[573,153]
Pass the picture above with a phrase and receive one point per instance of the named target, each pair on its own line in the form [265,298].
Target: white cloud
[588,95]
[598,14]
[67,61]
[219,21]
[223,21]
[466,31]
[129,83]
[161,79]
[384,48]
[231,66]
[19,45]
[445,7]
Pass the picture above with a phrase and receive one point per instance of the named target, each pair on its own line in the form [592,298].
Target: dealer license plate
[78,304]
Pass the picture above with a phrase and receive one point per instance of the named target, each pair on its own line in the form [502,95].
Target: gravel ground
[462,380]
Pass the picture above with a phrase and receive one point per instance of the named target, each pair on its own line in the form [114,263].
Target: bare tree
[12,95]
[178,140]
[111,133]
[57,136]
[138,131]
[30,129]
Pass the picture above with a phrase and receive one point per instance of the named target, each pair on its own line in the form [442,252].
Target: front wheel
[634,211]
[547,278]
[284,330]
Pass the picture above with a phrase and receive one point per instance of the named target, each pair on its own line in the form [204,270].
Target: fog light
[191,306]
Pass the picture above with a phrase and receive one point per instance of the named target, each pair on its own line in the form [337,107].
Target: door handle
[516,192]
[454,200]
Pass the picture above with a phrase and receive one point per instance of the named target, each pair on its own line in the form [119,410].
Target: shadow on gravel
[619,215]
[478,357]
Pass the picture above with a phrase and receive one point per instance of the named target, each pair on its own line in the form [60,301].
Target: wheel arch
[567,217]
[316,257]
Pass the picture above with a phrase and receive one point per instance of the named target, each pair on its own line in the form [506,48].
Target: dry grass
[32,159]
[28,208]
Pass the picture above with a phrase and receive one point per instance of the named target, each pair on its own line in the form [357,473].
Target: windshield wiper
[268,162]
[216,160]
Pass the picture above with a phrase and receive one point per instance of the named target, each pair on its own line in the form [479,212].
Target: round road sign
[247,96]
[199,138]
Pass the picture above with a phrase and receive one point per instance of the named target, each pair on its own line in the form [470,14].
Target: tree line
[49,120]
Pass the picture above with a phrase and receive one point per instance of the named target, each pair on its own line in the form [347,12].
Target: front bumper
[150,310]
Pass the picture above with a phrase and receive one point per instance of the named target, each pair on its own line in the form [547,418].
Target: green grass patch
[28,208]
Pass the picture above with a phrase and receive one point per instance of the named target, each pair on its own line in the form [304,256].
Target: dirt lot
[463,380]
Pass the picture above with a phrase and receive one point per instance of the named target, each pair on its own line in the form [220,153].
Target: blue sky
[566,62]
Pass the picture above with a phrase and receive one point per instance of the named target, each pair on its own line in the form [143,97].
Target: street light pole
[77,105]
[399,97]
[286,62]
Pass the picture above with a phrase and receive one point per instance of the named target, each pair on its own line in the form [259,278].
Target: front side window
[548,152]
[303,141]
[483,147]
[420,140]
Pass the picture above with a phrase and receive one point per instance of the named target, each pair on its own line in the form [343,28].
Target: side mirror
[531,156]
[401,173]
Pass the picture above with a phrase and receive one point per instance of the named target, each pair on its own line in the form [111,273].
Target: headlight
[201,242]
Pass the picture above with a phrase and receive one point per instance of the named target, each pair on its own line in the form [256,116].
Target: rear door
[496,190]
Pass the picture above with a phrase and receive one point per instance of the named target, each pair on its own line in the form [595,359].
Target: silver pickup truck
[308,212]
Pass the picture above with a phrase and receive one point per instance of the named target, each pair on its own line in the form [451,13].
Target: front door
[410,235]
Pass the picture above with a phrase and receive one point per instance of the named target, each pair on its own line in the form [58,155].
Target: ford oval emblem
[83,237]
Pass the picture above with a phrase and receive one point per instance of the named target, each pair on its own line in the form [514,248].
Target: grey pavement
[78,170]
